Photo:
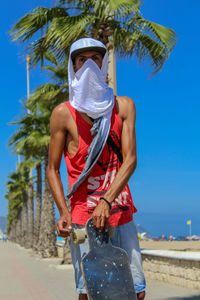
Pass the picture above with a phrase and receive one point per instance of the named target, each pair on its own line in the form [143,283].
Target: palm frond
[60,73]
[28,164]
[166,35]
[144,48]
[161,34]
[16,136]
[63,31]
[138,38]
[36,139]
[38,18]
[147,48]
[46,96]
[39,51]
[41,92]
[125,6]
[49,55]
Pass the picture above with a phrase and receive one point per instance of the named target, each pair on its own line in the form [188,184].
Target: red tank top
[86,197]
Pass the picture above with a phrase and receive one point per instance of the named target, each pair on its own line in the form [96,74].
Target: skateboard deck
[105,268]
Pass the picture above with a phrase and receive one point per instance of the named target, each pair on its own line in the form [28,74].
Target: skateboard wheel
[110,231]
[78,236]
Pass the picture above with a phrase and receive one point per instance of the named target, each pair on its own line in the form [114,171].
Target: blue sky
[165,186]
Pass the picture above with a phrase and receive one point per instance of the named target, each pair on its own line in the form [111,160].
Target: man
[93,130]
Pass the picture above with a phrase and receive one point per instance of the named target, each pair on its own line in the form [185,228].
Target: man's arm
[56,148]
[128,142]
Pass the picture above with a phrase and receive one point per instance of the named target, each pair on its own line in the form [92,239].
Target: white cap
[86,44]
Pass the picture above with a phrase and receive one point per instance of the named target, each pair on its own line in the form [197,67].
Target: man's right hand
[64,226]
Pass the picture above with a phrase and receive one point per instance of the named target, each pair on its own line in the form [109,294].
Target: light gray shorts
[125,237]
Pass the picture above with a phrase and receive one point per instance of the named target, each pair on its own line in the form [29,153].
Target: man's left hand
[101,215]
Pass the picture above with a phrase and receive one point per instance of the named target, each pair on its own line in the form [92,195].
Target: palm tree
[29,164]
[21,145]
[117,23]
[16,195]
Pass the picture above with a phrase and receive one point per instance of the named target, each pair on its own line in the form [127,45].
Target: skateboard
[105,268]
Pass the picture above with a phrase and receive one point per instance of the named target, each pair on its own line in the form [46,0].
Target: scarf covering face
[90,94]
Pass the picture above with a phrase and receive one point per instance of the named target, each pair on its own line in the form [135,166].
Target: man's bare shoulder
[60,116]
[126,106]
[60,111]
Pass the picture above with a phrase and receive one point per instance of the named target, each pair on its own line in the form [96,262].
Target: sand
[174,245]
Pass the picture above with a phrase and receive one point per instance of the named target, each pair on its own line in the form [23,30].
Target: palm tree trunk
[12,233]
[112,68]
[18,230]
[112,80]
[108,40]
[67,259]
[47,237]
[30,215]
[20,227]
[38,205]
[15,232]
[25,220]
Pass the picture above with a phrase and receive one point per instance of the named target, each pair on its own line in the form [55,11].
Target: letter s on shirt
[94,183]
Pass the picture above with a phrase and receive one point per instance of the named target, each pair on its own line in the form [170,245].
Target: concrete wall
[176,267]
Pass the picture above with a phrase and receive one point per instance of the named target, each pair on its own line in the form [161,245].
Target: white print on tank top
[103,181]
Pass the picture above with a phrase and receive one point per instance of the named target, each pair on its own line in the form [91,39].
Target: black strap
[115,148]
[109,204]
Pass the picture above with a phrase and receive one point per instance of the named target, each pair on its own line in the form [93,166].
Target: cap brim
[92,48]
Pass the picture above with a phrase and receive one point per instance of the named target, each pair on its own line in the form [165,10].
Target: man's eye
[82,59]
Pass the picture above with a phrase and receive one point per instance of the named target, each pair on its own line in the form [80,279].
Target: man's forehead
[89,53]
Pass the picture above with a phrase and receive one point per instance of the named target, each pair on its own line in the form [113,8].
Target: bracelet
[102,198]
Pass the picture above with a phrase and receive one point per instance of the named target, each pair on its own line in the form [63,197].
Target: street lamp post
[30,185]
[28,90]
[27,74]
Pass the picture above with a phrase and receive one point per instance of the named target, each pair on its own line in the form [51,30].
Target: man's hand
[64,225]
[101,215]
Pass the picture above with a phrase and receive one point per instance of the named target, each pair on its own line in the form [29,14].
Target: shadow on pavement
[196,297]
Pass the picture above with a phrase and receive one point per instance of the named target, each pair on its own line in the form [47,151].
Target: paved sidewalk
[24,276]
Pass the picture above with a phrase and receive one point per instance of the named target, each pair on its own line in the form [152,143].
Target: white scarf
[88,90]
[90,94]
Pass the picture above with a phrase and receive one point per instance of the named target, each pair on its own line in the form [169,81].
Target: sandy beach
[173,245]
